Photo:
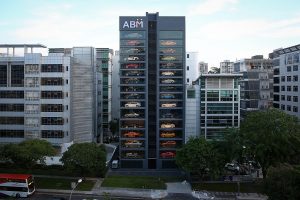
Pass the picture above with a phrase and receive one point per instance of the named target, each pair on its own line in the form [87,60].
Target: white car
[168,81]
[132,105]
[168,105]
[132,58]
[167,125]
[168,73]
[131,115]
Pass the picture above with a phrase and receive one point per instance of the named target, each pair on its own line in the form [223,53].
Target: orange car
[132,134]
[168,154]
[168,143]
[167,135]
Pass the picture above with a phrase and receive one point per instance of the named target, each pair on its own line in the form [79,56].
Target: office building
[220,104]
[192,69]
[115,110]
[256,83]
[152,90]
[286,79]
[203,67]
[47,97]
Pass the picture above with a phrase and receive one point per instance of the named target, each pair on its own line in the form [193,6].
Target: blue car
[167,96]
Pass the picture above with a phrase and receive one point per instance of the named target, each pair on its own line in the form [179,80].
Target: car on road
[132,104]
[168,143]
[132,134]
[167,125]
[131,115]
[167,134]
[168,154]
[168,81]
[168,105]
[232,166]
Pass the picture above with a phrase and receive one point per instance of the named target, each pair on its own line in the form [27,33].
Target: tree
[283,182]
[271,136]
[199,157]
[214,70]
[88,158]
[28,152]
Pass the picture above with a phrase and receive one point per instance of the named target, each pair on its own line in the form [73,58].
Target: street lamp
[79,181]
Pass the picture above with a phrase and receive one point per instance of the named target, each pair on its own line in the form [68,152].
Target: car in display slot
[168,58]
[167,125]
[167,134]
[132,104]
[133,143]
[132,58]
[133,42]
[168,105]
[168,81]
[132,80]
[132,155]
[168,154]
[167,96]
[133,126]
[168,73]
[169,50]
[167,42]
[132,65]
[132,134]
[131,115]
[133,73]
[133,35]
[168,143]
[168,65]
[167,115]
[132,96]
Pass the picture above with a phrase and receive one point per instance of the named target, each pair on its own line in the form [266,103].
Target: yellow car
[167,134]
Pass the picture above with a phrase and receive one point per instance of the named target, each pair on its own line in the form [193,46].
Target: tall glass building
[152,92]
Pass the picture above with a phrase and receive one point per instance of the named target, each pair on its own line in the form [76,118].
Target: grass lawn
[228,187]
[145,182]
[62,184]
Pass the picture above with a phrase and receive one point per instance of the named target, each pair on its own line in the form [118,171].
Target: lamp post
[79,181]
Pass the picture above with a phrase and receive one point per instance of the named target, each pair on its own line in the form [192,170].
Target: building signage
[131,23]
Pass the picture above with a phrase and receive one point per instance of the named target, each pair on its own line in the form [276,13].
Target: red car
[133,42]
[132,65]
[168,154]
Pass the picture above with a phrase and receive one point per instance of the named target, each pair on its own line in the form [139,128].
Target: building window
[3,75]
[295,78]
[295,98]
[12,120]
[52,68]
[191,94]
[282,107]
[295,68]
[67,68]
[52,134]
[288,68]
[212,95]
[12,133]
[17,75]
[52,121]
[289,98]
[288,78]
[295,88]
[52,81]
[282,88]
[295,109]
[288,108]
[288,88]
[52,95]
[283,79]
[52,108]
[282,98]
[187,55]
[188,80]
[12,107]
[187,68]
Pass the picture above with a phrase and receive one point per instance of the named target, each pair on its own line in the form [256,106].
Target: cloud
[209,7]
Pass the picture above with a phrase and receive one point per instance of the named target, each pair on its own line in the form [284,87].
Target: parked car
[131,125]
[232,166]
[132,104]
[168,154]
[133,73]
[168,65]
[167,96]
[168,105]
[133,42]
[132,65]
[167,73]
[131,155]
[168,81]
[131,80]
[168,143]
[132,58]
[168,42]
[131,115]
[167,125]
[167,115]
[168,58]
[167,134]
[169,50]
[133,35]
[132,134]
[132,96]
[132,143]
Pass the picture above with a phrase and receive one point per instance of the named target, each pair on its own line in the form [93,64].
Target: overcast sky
[217,29]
